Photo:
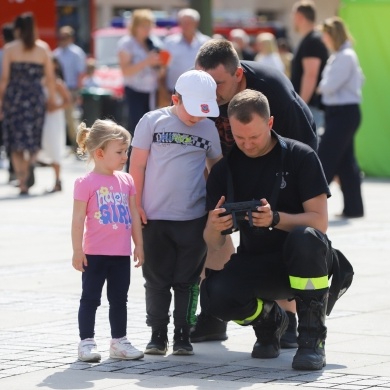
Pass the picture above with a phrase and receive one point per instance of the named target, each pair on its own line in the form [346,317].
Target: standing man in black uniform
[309,59]
[285,253]
[293,119]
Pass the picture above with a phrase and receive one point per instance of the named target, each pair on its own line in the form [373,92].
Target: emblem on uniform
[283,183]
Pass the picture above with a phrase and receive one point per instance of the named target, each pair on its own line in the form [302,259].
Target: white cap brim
[201,108]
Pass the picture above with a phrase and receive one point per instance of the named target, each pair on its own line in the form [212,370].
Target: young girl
[105,216]
[54,127]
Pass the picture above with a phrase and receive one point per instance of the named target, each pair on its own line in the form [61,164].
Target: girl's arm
[136,233]
[79,213]
[64,93]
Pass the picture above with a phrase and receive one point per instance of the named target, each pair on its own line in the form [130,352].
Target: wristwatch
[275,220]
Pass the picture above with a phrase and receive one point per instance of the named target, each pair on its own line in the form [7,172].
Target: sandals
[23,192]
[57,187]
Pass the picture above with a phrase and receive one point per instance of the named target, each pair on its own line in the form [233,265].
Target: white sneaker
[88,351]
[122,349]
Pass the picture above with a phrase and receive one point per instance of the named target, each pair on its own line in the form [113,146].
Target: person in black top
[285,253]
[293,119]
[309,59]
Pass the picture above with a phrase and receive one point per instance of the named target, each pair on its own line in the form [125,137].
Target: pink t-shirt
[107,228]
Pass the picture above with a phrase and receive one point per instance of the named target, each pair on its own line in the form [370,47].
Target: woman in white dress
[54,128]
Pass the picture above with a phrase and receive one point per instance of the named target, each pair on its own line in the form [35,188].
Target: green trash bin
[97,103]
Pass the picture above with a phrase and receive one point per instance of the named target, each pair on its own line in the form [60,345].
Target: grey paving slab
[40,292]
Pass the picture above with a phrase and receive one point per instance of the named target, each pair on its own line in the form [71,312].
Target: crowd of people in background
[38,90]
[149,82]
[313,95]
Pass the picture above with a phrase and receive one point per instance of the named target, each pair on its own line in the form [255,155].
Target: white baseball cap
[198,91]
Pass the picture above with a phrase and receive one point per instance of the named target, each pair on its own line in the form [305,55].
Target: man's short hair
[67,31]
[307,9]
[217,52]
[239,33]
[190,12]
[246,103]
[7,31]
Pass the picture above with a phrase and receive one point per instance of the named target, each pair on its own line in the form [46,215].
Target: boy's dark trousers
[175,253]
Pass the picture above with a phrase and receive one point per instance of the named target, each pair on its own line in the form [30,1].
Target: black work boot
[269,327]
[312,333]
[181,342]
[208,328]
[158,344]
[289,338]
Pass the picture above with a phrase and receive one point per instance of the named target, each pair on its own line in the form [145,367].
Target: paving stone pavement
[39,296]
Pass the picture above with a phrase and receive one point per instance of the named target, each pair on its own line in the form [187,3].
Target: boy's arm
[136,233]
[211,161]
[79,212]
[138,161]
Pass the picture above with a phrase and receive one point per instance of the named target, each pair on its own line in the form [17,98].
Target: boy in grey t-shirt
[171,148]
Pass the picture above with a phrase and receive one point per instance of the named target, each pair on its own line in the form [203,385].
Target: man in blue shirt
[73,61]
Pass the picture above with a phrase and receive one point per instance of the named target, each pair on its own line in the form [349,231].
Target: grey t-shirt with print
[175,185]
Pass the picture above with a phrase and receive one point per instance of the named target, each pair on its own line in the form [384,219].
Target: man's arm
[311,67]
[315,215]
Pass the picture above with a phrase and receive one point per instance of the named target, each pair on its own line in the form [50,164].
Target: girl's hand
[79,261]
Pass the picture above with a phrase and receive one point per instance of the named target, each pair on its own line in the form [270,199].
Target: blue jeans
[116,270]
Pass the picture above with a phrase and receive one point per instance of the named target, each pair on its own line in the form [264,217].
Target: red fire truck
[45,16]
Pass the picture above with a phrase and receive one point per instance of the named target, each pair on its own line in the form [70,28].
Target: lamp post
[204,7]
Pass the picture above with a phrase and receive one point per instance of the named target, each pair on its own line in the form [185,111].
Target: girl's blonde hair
[139,17]
[337,31]
[98,136]
[268,43]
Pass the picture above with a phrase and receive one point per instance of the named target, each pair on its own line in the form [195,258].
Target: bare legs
[57,170]
[22,161]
